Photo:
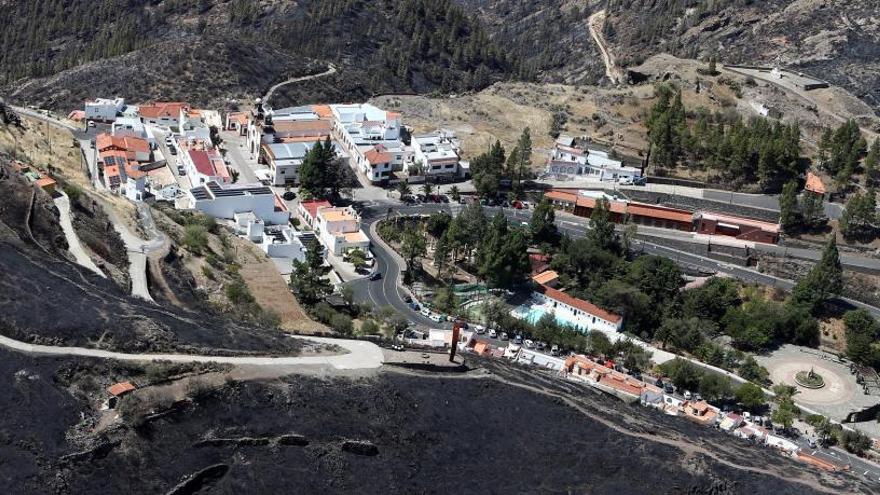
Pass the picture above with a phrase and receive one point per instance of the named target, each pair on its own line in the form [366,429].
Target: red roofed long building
[582,314]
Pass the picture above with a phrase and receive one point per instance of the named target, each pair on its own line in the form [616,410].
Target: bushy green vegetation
[806,212]
[859,221]
[739,152]
[321,174]
[840,150]
[490,167]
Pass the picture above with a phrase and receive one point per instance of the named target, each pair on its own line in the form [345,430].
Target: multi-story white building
[437,154]
[104,109]
[363,129]
[226,200]
[570,158]
[339,230]
[284,159]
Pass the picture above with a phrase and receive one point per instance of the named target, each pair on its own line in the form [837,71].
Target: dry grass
[272,293]
[832,334]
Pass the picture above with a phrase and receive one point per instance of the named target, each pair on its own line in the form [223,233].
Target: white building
[437,154]
[363,129]
[132,127]
[539,359]
[164,114]
[204,165]
[568,158]
[584,315]
[225,200]
[103,109]
[285,159]
[339,230]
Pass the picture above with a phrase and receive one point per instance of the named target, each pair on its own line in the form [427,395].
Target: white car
[480,329]
[687,395]
[529,343]
[493,334]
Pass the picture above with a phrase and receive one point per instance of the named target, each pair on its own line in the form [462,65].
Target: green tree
[427,188]
[413,245]
[543,223]
[789,214]
[714,387]
[341,324]
[358,258]
[601,231]
[438,223]
[824,281]
[785,413]
[711,300]
[859,219]
[861,334]
[403,188]
[524,157]
[750,396]
[446,301]
[454,194]
[442,255]
[683,374]
[752,371]
[502,257]
[307,279]
[195,238]
[812,210]
[369,327]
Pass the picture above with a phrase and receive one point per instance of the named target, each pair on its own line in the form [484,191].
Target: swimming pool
[533,313]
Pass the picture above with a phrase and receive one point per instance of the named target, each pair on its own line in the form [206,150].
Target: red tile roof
[162,109]
[316,128]
[121,388]
[580,304]
[312,206]
[561,196]
[814,184]
[378,155]
[660,212]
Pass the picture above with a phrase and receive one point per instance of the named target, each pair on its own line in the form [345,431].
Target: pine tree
[824,280]
[601,226]
[789,216]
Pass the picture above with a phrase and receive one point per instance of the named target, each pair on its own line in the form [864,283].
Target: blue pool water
[532,314]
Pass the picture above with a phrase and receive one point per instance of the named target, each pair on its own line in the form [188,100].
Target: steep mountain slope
[838,40]
[58,52]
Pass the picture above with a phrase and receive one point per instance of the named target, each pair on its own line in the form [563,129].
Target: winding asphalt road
[386,292]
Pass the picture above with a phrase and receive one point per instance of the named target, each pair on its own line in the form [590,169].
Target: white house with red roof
[308,210]
[581,314]
[165,114]
[205,165]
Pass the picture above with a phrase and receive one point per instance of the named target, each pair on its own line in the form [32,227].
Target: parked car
[421,198]
[688,395]
[444,198]
[414,306]
[493,334]
[180,170]
[554,350]
[541,346]
[480,329]
[529,343]
[289,195]
[518,340]
[518,205]
[397,347]
[376,276]
[504,336]
[172,150]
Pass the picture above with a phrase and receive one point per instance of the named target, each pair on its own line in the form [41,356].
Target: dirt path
[360,355]
[329,71]
[73,244]
[595,23]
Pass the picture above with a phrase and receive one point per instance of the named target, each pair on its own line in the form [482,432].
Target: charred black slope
[411,434]
[58,52]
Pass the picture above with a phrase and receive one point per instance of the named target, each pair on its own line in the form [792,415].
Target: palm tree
[454,194]
[404,189]
[427,188]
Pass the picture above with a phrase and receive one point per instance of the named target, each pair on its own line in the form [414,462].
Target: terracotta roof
[561,196]
[208,163]
[323,111]
[240,117]
[104,141]
[481,347]
[660,212]
[313,205]
[814,184]
[45,181]
[613,206]
[303,127]
[162,109]
[378,155]
[545,277]
[121,388]
[580,304]
[137,144]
